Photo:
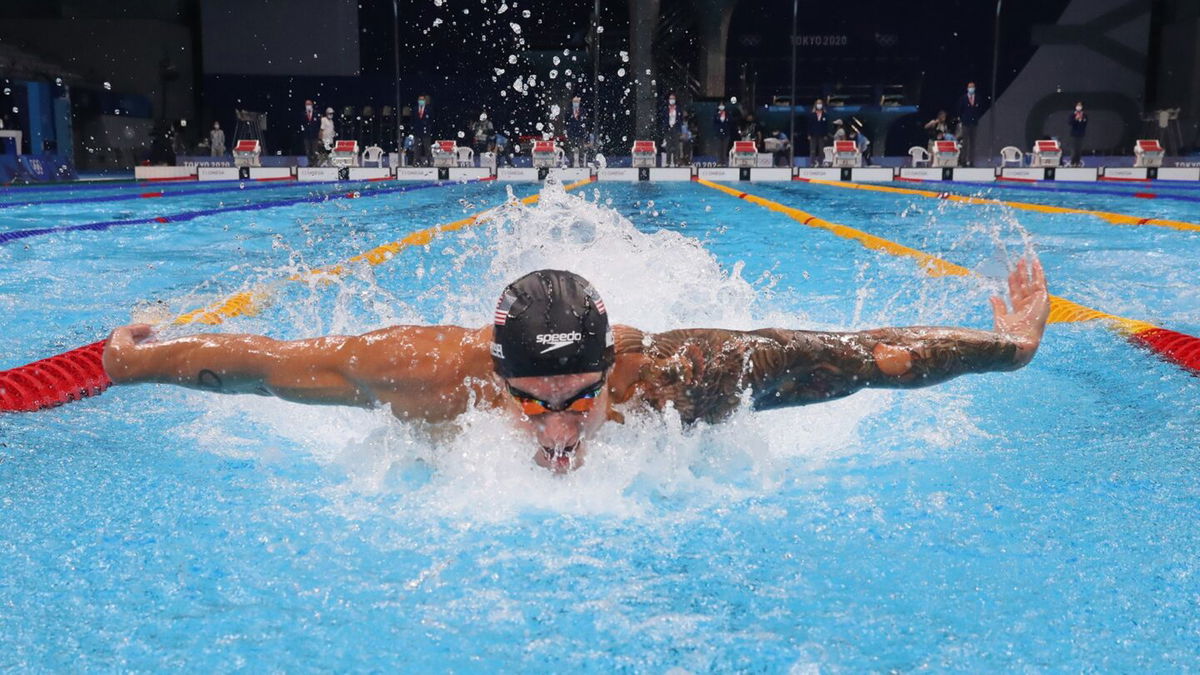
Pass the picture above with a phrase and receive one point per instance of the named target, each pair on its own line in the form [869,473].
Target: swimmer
[551,360]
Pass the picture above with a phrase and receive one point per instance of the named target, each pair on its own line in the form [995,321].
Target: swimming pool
[1040,519]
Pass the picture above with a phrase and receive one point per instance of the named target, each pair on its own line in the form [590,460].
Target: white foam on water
[481,468]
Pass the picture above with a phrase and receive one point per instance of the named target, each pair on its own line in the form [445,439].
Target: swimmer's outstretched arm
[338,370]
[709,369]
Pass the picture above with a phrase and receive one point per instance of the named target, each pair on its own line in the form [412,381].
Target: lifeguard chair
[345,153]
[743,154]
[445,154]
[1148,153]
[547,155]
[1046,153]
[945,153]
[247,153]
[645,155]
[846,154]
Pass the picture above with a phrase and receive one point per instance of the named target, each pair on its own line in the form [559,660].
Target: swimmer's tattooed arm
[705,372]
[309,371]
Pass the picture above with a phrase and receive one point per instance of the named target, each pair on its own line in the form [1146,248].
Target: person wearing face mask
[577,132]
[724,128]
[422,131]
[818,133]
[482,132]
[328,133]
[310,131]
[969,111]
[671,127]
[1078,130]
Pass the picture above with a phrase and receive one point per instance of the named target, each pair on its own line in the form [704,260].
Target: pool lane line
[247,303]
[79,373]
[7,237]
[1021,185]
[1180,349]
[1113,218]
[159,191]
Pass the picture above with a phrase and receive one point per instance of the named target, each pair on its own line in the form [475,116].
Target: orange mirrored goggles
[582,402]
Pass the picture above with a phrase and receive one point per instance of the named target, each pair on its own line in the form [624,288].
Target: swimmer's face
[560,435]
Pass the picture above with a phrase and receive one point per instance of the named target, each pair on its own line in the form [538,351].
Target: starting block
[1148,153]
[445,154]
[1046,153]
[345,153]
[846,154]
[645,154]
[547,155]
[743,154]
[246,153]
[945,153]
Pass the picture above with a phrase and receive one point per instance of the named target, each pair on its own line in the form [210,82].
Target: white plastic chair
[1011,153]
[464,156]
[372,155]
[919,155]
[828,151]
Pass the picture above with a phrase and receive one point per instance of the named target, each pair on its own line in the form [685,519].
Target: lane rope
[1113,218]
[1178,348]
[163,191]
[79,373]
[7,237]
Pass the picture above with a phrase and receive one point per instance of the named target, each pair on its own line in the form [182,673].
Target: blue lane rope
[161,194]
[6,237]
[1146,190]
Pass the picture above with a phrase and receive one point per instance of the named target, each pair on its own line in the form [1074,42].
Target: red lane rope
[1178,348]
[59,379]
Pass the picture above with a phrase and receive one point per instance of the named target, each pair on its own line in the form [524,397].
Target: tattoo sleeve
[705,372]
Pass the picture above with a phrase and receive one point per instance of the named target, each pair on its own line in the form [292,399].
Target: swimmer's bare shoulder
[418,370]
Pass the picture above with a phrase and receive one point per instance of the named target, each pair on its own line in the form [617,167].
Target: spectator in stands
[670,129]
[1078,130]
[482,132]
[969,111]
[577,133]
[216,140]
[818,133]
[723,130]
[422,131]
[310,131]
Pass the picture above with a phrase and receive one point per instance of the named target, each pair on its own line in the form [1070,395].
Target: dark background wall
[201,59]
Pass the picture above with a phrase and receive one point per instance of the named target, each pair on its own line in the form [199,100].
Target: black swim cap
[551,322]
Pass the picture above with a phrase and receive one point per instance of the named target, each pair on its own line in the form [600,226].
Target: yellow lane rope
[1114,218]
[1061,309]
[248,303]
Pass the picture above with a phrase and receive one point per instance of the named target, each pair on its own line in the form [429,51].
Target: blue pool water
[1037,520]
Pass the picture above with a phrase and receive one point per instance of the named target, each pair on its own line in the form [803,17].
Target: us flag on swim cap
[595,298]
[502,307]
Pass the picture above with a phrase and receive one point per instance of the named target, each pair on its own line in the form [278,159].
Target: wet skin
[435,373]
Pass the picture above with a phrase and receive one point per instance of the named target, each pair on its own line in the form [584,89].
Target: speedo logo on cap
[558,340]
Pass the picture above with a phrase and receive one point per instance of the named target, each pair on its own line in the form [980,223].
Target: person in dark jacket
[1078,130]
[670,125]
[310,131]
[818,133]
[422,131]
[969,111]
[577,132]
[724,129]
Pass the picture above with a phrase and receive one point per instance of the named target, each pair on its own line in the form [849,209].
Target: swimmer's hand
[1026,322]
[120,351]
